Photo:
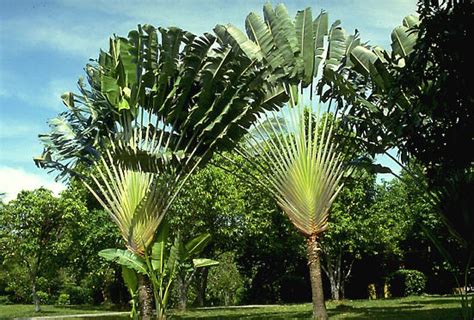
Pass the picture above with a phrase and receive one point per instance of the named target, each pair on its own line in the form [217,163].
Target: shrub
[225,283]
[43,297]
[78,294]
[64,299]
[5,300]
[405,283]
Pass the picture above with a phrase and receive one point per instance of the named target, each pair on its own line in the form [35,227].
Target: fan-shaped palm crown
[300,164]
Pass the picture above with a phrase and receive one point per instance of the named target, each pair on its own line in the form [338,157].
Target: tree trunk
[334,287]
[145,301]
[202,285]
[343,291]
[35,297]
[183,294]
[319,308]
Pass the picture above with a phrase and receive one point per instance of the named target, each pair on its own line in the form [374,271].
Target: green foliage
[417,98]
[5,300]
[161,264]
[225,284]
[78,294]
[31,237]
[43,297]
[71,260]
[63,299]
[125,258]
[350,235]
[404,283]
[201,92]
[243,219]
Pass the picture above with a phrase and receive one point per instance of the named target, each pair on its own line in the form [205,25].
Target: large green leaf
[130,278]
[197,244]
[202,262]
[125,258]
[320,29]
[411,21]
[336,47]
[238,39]
[306,41]
[176,256]
[259,33]
[362,59]
[403,41]
[158,251]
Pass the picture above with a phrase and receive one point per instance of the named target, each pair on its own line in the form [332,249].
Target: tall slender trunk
[35,297]
[145,301]
[319,308]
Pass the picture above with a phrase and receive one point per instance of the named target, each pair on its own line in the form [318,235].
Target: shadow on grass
[260,316]
[433,301]
[412,312]
[407,311]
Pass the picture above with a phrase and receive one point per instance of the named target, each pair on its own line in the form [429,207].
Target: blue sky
[44,46]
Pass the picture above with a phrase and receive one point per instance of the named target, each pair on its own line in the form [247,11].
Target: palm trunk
[319,308]
[145,301]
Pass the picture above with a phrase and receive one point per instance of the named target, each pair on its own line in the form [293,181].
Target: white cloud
[73,39]
[46,96]
[17,129]
[14,180]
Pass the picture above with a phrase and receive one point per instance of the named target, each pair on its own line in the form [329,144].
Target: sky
[44,46]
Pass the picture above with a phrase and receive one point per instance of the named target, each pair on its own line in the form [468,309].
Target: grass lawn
[27,310]
[423,307]
[415,308]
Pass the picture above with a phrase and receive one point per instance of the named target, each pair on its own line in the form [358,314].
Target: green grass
[27,310]
[415,308]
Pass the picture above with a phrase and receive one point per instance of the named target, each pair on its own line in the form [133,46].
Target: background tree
[246,222]
[32,233]
[225,281]
[348,237]
[210,201]
[419,97]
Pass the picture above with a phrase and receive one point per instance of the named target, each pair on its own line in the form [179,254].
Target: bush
[404,283]
[64,299]
[5,300]
[78,294]
[225,284]
[43,297]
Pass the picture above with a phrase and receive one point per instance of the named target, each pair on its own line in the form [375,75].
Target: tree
[32,233]
[295,53]
[155,109]
[302,169]
[419,97]
[348,237]
[85,234]
[245,221]
[225,281]
[211,200]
